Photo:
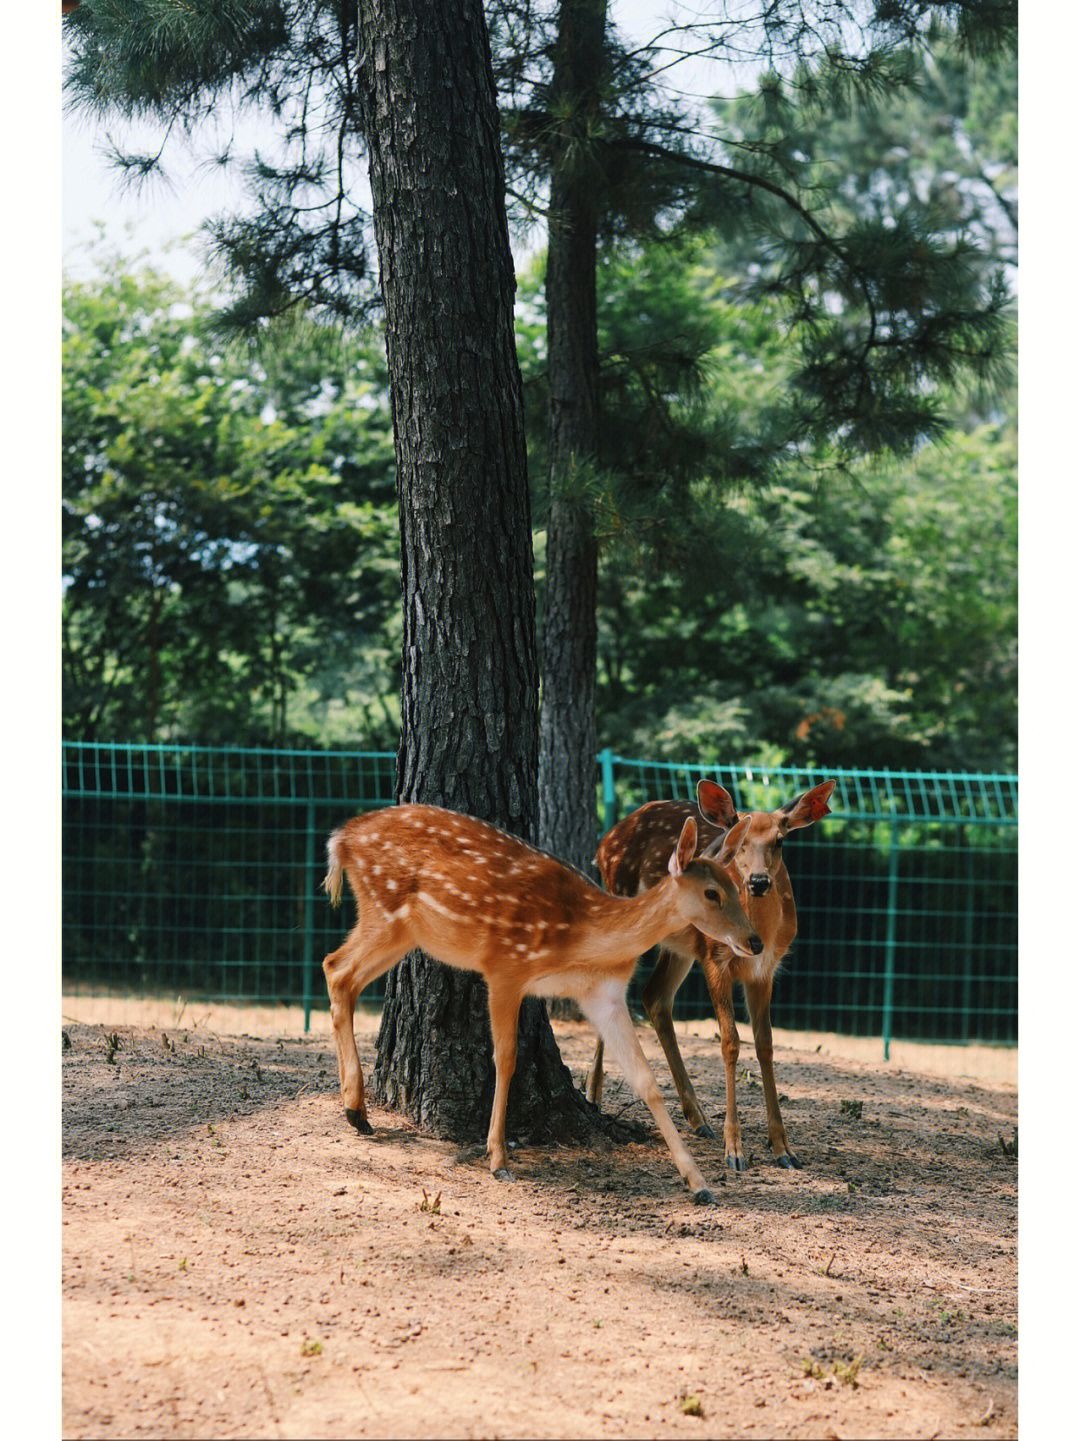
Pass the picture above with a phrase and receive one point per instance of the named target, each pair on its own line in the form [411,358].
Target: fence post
[607,776]
[309,912]
[890,935]
[966,986]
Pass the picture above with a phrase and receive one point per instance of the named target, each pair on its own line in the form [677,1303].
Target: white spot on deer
[391,885]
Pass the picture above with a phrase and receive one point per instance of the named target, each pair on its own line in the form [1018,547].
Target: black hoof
[359,1121]
[705,1130]
[736,1163]
[704,1198]
[789,1162]
[502,1174]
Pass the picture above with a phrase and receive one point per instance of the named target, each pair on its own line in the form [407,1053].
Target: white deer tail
[332,882]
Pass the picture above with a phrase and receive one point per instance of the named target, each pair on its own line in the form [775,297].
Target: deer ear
[733,840]
[804,810]
[715,804]
[683,853]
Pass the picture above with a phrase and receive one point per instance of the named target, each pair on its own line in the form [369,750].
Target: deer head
[707,898]
[759,855]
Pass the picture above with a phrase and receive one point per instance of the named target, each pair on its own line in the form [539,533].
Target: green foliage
[762,606]
[231,554]
[690,392]
[229,535]
[868,621]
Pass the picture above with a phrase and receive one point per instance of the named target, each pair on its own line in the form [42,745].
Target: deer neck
[624,927]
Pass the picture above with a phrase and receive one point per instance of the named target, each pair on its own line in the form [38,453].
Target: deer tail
[332,882]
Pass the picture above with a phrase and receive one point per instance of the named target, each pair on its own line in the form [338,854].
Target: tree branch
[747,177]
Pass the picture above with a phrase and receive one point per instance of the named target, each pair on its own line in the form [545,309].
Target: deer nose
[757,945]
[759,883]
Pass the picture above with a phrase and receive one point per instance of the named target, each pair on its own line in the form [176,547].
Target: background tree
[568,697]
[229,533]
[887,309]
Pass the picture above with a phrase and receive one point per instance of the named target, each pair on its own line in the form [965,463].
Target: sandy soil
[237,1262]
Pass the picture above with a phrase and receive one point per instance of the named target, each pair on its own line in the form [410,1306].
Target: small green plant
[112,1045]
[256,1068]
[847,1372]
[66,1041]
[851,1108]
[311,1348]
[597,1324]
[743,1266]
[244,1093]
[1009,1148]
[690,1405]
[427,1204]
[184,1264]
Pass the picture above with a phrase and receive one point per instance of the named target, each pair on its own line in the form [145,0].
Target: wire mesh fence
[196,872]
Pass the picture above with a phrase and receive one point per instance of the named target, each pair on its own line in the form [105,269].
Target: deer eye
[711,895]
[779,843]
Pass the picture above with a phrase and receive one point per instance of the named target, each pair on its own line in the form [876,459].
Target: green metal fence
[196,872]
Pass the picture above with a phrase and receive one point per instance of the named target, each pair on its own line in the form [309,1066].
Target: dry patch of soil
[237,1262]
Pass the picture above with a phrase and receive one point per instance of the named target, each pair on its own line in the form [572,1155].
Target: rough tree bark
[469,687]
[568,650]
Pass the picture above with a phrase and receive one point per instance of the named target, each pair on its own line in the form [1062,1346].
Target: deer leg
[659,996]
[718,980]
[348,970]
[503,1007]
[758,1001]
[594,1080]
[605,1007]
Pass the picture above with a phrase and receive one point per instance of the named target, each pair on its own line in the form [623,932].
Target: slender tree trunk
[568,657]
[469,682]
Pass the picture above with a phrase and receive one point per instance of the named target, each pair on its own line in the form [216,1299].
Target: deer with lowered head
[474,897]
[629,858]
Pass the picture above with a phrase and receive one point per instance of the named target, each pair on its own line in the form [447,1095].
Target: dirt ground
[238,1262]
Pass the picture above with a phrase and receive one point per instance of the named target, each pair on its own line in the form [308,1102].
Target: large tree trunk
[469,684]
[568,706]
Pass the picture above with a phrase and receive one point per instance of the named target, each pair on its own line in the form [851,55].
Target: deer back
[634,853]
[463,888]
